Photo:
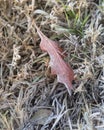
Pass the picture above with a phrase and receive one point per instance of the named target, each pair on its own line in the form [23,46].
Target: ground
[30,97]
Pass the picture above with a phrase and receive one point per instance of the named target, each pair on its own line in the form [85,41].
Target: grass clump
[29,97]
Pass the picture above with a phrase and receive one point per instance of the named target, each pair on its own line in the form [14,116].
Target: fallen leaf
[58,66]
[41,116]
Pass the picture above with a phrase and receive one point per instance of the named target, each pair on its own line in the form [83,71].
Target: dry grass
[30,98]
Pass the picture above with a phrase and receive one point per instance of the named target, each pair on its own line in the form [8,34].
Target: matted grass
[30,98]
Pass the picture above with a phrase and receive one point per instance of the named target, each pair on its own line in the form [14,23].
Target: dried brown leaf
[58,66]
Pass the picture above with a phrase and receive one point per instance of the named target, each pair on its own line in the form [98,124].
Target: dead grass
[30,98]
